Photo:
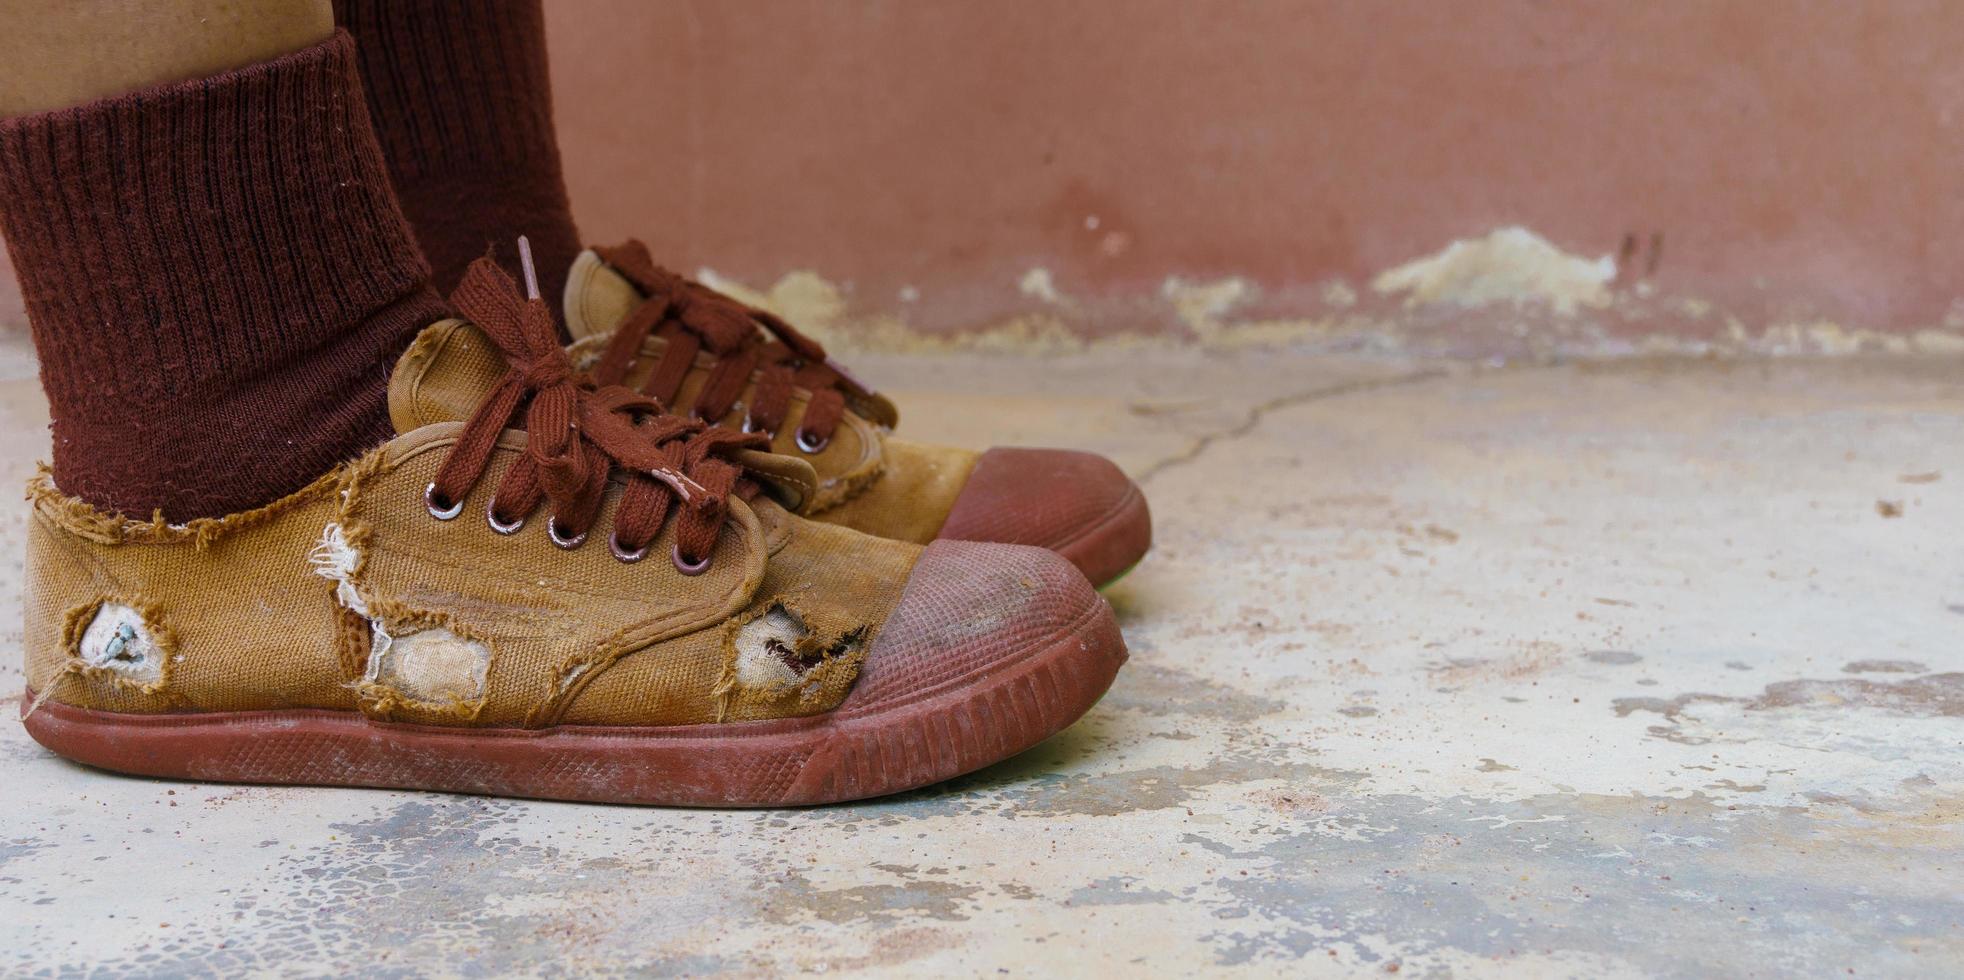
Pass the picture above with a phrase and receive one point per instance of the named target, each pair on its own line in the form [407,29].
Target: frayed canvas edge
[728,692]
[836,492]
[84,520]
[574,673]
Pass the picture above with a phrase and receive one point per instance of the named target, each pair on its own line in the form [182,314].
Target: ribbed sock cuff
[462,103]
[219,259]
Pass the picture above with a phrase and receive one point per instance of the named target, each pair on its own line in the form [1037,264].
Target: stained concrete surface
[1646,667]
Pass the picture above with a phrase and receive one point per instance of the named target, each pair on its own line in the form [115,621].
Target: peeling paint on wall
[1204,306]
[1509,265]
[1507,295]
[804,297]
[1037,284]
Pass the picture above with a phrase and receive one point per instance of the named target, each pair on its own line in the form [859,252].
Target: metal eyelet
[809,444]
[685,566]
[491,518]
[626,557]
[440,513]
[552,531]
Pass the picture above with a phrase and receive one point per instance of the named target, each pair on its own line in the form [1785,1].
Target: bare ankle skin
[62,53]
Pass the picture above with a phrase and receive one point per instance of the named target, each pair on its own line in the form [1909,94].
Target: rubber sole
[989,716]
[1108,549]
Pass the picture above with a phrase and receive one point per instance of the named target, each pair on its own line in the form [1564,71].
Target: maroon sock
[461,102]
[218,280]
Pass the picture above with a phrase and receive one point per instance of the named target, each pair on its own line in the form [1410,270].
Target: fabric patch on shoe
[418,662]
[433,666]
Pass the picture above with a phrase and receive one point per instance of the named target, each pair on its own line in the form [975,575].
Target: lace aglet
[525,263]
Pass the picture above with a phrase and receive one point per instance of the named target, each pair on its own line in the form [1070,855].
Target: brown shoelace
[693,318]
[577,433]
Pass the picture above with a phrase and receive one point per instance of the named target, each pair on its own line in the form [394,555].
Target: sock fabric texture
[219,282]
[459,93]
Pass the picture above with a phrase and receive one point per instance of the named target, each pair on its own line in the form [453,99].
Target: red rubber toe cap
[971,609]
[1079,505]
[992,649]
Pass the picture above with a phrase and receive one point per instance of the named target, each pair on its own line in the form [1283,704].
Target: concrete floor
[1649,667]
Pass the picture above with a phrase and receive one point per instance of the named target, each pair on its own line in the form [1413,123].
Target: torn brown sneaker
[558,593]
[697,350]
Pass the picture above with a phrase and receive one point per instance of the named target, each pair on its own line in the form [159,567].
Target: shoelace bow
[692,317]
[577,433]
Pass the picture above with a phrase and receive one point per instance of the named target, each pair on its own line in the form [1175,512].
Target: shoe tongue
[452,366]
[597,298]
[442,377]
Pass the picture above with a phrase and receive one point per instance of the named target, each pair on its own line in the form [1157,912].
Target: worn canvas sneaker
[700,351]
[606,603]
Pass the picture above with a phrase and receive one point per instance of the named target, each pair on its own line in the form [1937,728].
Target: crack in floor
[1262,410]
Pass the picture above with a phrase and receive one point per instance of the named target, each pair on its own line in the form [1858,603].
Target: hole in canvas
[777,649]
[118,640]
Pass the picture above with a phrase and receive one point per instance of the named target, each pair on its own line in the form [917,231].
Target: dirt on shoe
[700,351]
[551,591]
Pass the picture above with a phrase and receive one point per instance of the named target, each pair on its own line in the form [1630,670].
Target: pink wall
[1797,161]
